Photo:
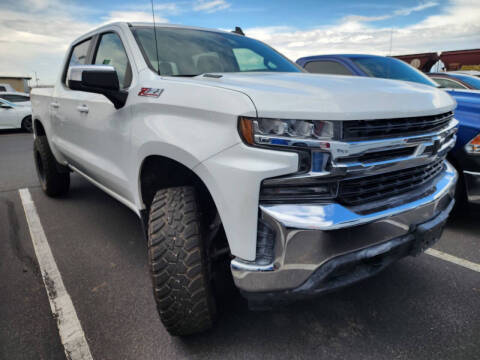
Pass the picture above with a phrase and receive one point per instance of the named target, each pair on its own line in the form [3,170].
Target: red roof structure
[453,60]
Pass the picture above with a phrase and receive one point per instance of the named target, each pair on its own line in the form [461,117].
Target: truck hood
[315,96]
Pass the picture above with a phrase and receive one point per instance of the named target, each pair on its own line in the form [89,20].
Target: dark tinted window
[390,68]
[79,54]
[15,98]
[112,52]
[470,80]
[327,67]
[192,52]
[2,88]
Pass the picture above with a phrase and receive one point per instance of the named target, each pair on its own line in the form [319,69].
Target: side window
[446,83]
[15,98]
[327,67]
[79,54]
[111,52]
[2,88]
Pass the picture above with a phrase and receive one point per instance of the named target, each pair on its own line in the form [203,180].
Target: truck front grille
[379,155]
[371,129]
[372,188]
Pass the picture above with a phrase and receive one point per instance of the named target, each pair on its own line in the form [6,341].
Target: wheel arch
[38,128]
[158,172]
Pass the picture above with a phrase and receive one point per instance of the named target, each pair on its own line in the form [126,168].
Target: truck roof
[150,24]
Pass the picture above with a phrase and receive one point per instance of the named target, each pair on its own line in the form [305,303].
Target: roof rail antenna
[238,30]
[155,37]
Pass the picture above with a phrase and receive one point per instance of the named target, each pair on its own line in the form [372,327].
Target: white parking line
[71,332]
[453,259]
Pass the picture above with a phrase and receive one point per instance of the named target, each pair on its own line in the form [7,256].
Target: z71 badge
[150,92]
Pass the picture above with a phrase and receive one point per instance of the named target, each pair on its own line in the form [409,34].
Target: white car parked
[15,115]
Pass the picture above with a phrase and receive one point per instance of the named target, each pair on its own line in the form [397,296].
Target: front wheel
[178,262]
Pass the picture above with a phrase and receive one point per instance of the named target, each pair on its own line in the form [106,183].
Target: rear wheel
[54,177]
[178,262]
[27,124]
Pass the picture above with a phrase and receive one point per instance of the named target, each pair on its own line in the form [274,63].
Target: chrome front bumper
[309,236]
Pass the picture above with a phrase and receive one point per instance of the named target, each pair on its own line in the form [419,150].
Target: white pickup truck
[231,154]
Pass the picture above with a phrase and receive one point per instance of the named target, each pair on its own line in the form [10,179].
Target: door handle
[54,105]
[83,109]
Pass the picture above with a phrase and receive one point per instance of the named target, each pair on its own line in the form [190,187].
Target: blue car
[466,154]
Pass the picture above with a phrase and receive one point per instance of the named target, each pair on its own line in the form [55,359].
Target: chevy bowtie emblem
[150,92]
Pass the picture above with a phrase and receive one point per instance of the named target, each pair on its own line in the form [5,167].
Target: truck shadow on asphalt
[402,311]
[13,132]
[405,311]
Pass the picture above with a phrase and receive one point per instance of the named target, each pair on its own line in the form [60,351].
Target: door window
[112,52]
[327,67]
[79,54]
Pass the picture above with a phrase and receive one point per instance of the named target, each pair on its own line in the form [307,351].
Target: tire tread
[178,262]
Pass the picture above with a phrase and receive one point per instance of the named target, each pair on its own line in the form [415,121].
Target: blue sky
[260,13]
[35,34]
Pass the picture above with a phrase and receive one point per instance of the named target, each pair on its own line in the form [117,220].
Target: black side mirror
[98,79]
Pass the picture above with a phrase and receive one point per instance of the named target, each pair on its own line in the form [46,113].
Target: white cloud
[210,6]
[398,12]
[161,9]
[35,34]
[134,16]
[408,11]
[167,8]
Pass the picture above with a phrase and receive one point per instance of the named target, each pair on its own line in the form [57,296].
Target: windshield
[186,52]
[389,68]
[470,80]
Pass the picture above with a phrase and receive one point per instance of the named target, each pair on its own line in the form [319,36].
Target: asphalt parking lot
[419,308]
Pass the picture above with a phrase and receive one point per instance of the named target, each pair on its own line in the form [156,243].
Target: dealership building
[19,83]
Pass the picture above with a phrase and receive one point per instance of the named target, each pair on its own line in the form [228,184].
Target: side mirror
[98,79]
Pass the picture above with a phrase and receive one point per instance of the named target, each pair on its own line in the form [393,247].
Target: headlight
[300,133]
[473,146]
